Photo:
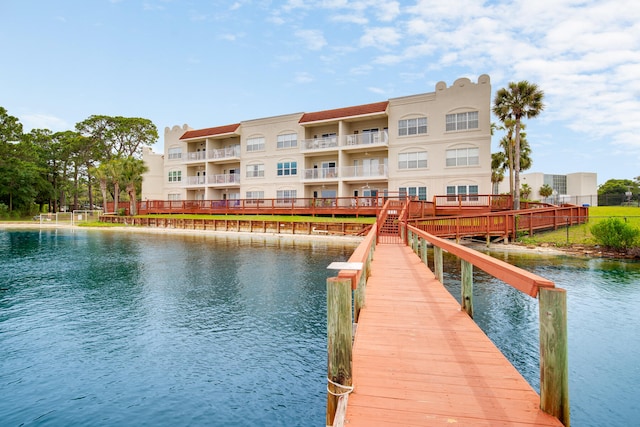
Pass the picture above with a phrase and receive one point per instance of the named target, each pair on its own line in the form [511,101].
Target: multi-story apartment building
[419,145]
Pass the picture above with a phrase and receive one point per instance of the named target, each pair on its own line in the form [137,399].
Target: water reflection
[602,296]
[101,328]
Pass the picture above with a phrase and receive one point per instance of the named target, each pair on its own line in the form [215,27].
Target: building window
[462,191]
[255,144]
[412,126]
[286,196]
[175,176]
[463,157]
[287,168]
[289,140]
[174,197]
[413,192]
[253,197]
[414,160]
[255,171]
[175,153]
[462,121]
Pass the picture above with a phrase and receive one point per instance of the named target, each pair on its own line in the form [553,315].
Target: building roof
[358,110]
[219,130]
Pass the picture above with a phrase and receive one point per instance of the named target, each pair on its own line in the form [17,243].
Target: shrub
[615,233]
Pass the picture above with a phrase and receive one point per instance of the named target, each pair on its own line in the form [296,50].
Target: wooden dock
[418,360]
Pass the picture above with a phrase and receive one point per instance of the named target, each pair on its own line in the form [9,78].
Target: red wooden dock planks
[419,361]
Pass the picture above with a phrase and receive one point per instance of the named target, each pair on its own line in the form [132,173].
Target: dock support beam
[339,343]
[466,299]
[554,361]
[437,263]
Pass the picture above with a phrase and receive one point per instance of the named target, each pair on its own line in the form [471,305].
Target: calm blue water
[101,329]
[603,321]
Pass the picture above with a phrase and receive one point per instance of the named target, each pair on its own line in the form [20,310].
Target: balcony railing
[322,173]
[364,171]
[196,156]
[319,143]
[196,180]
[369,138]
[224,179]
[225,153]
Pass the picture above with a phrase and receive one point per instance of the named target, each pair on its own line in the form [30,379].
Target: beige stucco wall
[462,96]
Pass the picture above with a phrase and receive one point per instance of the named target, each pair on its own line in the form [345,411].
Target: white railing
[225,153]
[319,143]
[196,155]
[364,171]
[196,180]
[232,178]
[322,173]
[369,138]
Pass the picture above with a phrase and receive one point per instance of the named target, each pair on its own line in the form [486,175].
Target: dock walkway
[418,360]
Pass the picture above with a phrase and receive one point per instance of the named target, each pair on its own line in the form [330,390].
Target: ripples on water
[102,329]
[603,321]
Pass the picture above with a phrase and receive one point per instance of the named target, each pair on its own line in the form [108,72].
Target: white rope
[348,388]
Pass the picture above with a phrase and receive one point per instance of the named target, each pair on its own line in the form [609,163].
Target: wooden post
[554,361]
[423,250]
[437,262]
[466,299]
[359,295]
[339,339]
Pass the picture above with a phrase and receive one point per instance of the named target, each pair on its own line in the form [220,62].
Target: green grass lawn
[280,218]
[581,234]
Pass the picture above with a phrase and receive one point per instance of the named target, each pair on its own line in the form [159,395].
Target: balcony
[365,171]
[366,139]
[318,144]
[224,179]
[226,153]
[320,174]
[196,180]
[196,156]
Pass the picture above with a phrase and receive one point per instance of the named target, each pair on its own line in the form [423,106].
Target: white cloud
[376,90]
[313,39]
[380,37]
[43,121]
[303,78]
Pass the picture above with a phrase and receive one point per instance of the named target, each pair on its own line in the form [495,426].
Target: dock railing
[554,376]
[345,298]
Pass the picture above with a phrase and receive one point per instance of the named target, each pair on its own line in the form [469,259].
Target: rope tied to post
[348,388]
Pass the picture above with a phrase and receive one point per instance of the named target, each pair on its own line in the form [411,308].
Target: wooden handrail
[520,279]
[554,363]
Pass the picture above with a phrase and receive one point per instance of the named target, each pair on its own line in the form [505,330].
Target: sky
[209,63]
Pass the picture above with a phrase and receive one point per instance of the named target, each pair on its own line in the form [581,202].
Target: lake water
[603,329]
[103,328]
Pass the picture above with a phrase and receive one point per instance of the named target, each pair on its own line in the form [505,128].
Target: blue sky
[211,63]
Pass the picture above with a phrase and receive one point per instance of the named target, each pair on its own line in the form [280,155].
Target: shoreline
[543,249]
[180,231]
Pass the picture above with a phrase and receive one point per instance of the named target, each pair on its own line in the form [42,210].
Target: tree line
[45,171]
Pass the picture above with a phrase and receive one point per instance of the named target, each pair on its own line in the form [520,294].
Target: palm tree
[498,163]
[520,100]
[545,191]
[101,173]
[132,170]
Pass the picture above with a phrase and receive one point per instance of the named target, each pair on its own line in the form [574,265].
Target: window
[462,121]
[412,160]
[463,157]
[255,144]
[412,126]
[175,153]
[175,176]
[286,196]
[254,197]
[173,196]
[287,168]
[289,140]
[413,192]
[255,171]
[463,191]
